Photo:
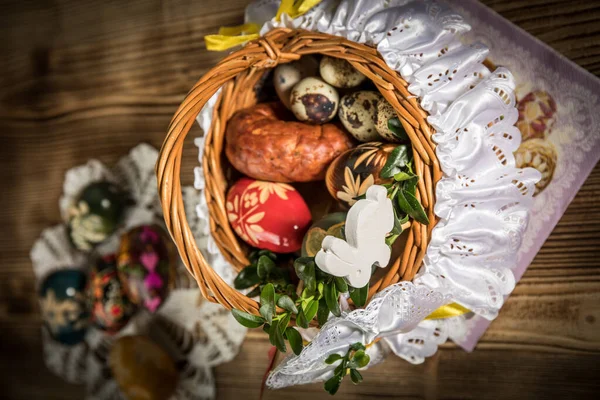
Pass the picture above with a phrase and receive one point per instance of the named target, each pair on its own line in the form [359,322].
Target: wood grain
[82,79]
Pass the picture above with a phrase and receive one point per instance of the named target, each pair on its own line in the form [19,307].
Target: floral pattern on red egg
[268,215]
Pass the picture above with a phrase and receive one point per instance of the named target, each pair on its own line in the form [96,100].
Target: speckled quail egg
[314,101]
[340,73]
[358,112]
[385,111]
[286,76]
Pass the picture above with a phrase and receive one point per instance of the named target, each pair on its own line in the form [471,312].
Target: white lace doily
[202,334]
[482,199]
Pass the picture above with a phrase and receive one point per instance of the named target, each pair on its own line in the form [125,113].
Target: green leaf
[265,266]
[268,253]
[397,159]
[248,320]
[410,185]
[402,176]
[360,359]
[341,368]
[305,269]
[267,328]
[247,277]
[355,376]
[301,320]
[287,304]
[267,302]
[311,310]
[331,298]
[332,358]
[333,384]
[357,346]
[410,205]
[254,292]
[276,337]
[284,321]
[395,126]
[293,336]
[340,284]
[322,312]
[359,295]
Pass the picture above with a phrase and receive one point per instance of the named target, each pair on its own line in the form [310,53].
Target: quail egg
[286,76]
[340,73]
[358,112]
[314,101]
[385,112]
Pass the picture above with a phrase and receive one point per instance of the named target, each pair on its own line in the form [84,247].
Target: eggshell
[146,265]
[286,76]
[95,215]
[331,224]
[63,305]
[358,113]
[385,111]
[142,369]
[353,172]
[340,73]
[268,215]
[111,308]
[314,101]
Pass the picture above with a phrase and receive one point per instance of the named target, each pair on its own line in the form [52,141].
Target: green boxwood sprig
[355,358]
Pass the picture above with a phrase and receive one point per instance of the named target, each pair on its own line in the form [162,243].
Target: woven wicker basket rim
[237,75]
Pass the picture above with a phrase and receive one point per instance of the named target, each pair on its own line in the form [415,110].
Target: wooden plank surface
[82,79]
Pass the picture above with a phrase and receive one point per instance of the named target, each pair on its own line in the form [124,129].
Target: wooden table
[82,79]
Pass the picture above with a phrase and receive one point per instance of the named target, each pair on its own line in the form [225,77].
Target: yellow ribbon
[447,311]
[230,36]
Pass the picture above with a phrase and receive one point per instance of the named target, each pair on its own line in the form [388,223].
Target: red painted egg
[268,215]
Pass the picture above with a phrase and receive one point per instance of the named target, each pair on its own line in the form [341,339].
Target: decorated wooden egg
[268,215]
[354,171]
[330,225]
[536,115]
[146,265]
[339,73]
[111,308]
[95,215]
[286,76]
[541,155]
[358,112]
[142,369]
[314,101]
[63,305]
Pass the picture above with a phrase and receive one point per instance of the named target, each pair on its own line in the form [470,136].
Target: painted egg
[268,215]
[314,101]
[111,308]
[330,225]
[385,112]
[286,76]
[63,305]
[96,214]
[340,73]
[358,113]
[142,369]
[354,171]
[541,155]
[536,115]
[146,265]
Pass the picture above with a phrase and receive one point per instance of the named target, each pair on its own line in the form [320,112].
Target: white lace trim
[482,200]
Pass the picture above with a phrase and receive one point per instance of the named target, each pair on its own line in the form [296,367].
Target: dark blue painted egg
[63,304]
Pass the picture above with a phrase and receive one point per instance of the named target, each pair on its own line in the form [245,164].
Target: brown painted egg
[146,265]
[541,155]
[286,76]
[331,224]
[358,112]
[268,215]
[314,101]
[142,369]
[536,115]
[340,73]
[111,308]
[354,171]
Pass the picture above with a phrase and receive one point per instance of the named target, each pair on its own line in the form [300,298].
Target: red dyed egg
[268,215]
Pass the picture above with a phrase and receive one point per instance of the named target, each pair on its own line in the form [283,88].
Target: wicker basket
[238,75]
